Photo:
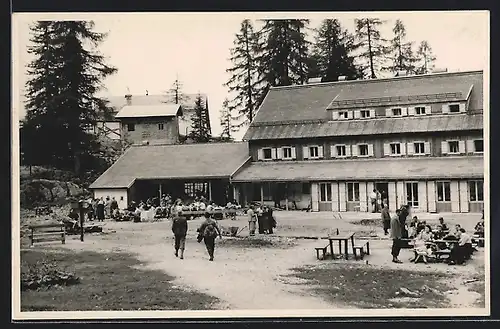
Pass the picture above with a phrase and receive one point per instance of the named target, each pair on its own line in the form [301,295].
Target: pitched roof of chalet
[410,168]
[362,127]
[118,102]
[302,103]
[161,110]
[211,160]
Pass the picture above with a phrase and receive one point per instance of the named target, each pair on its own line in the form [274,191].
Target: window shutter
[372,113]
[461,146]
[403,148]
[355,150]
[387,149]
[357,114]
[388,112]
[279,153]
[320,151]
[260,154]
[427,147]
[444,147]
[333,151]
[411,111]
[370,150]
[274,153]
[349,114]
[404,111]
[445,109]
[348,150]
[462,107]
[305,152]
[335,115]
[411,148]
[427,109]
[294,153]
[470,146]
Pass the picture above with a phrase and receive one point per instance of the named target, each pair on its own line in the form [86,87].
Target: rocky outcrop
[43,191]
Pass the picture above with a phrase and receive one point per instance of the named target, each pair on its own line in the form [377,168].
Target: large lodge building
[418,139]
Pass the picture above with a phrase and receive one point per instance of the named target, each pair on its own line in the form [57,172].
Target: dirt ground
[256,278]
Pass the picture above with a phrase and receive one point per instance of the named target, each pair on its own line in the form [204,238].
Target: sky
[151,49]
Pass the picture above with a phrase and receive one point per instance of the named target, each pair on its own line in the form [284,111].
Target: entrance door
[412,194]
[383,188]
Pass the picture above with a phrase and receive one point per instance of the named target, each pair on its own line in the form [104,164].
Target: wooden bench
[47,233]
[361,250]
[323,250]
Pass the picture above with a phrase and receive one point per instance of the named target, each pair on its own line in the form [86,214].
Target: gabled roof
[409,168]
[162,110]
[310,102]
[362,127]
[118,102]
[191,161]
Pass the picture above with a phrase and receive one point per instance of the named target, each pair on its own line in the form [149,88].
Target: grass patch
[108,282]
[257,242]
[368,287]
[478,287]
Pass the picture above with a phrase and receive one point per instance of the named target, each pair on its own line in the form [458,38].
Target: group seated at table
[428,243]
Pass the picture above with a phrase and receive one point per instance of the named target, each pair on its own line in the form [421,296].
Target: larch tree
[176,93]
[425,58]
[226,121]
[400,51]
[284,52]
[332,53]
[62,102]
[200,127]
[243,83]
[371,45]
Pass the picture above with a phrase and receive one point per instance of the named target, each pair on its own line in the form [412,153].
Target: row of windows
[443,192]
[366,150]
[397,111]
[131,126]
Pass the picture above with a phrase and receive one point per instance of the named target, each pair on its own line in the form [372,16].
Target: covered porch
[284,195]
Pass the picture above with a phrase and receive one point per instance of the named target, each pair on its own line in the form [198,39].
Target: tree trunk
[370,54]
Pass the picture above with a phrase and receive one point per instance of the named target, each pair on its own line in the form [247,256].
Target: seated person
[420,242]
[210,207]
[421,226]
[462,250]
[479,229]
[202,206]
[412,228]
[442,229]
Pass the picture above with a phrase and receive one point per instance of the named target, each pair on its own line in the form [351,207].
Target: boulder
[42,191]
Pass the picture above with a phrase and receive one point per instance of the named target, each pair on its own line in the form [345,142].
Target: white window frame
[453,104]
[475,190]
[348,197]
[396,154]
[443,190]
[344,146]
[415,148]
[420,107]
[397,115]
[344,117]
[449,148]
[284,157]
[310,147]
[359,150]
[368,112]
[328,197]
[264,154]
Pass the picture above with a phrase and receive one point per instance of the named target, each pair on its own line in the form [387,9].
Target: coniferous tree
[425,58]
[65,77]
[176,94]
[226,121]
[244,75]
[400,51]
[284,52]
[331,53]
[371,44]
[200,132]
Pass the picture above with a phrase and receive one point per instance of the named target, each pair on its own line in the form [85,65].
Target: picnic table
[345,237]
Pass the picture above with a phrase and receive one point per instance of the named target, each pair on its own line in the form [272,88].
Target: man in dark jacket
[208,231]
[179,228]
[386,218]
[396,235]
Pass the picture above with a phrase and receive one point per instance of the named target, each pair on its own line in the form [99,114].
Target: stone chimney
[128,97]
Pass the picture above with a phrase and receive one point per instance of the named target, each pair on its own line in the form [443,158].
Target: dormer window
[397,112]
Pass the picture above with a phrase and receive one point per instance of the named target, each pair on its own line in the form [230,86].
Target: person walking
[396,236]
[386,219]
[179,228]
[208,232]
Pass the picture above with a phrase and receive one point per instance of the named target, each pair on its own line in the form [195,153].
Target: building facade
[417,139]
